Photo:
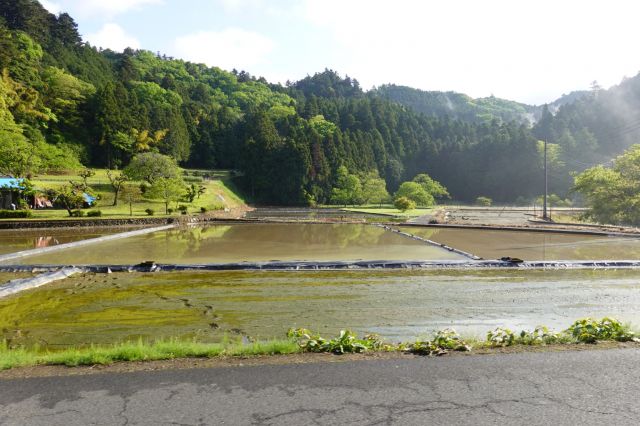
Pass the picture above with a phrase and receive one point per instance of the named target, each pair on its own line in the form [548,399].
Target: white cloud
[531,51]
[52,7]
[104,8]
[112,36]
[230,48]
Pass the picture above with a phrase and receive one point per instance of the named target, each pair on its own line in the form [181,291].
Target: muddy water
[533,245]
[399,305]
[12,241]
[252,242]
[5,277]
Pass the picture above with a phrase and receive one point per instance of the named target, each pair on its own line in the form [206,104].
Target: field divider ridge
[430,242]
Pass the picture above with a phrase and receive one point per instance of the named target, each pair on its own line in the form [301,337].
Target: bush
[182,208]
[15,214]
[203,210]
[169,210]
[501,337]
[484,201]
[589,330]
[346,342]
[94,213]
[150,212]
[443,341]
[403,204]
[77,213]
[540,335]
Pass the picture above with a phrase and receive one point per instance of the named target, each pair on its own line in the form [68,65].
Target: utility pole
[545,216]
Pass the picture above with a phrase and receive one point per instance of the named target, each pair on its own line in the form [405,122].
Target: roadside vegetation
[583,331]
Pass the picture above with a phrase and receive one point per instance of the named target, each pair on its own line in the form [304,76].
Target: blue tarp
[11,183]
[88,198]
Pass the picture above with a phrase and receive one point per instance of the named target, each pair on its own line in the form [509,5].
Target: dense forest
[64,103]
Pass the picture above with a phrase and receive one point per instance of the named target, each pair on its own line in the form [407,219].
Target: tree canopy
[613,194]
[65,103]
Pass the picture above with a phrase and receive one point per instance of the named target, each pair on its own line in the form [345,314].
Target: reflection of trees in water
[331,235]
[193,240]
[607,249]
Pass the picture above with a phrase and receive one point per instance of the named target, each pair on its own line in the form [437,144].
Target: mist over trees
[65,103]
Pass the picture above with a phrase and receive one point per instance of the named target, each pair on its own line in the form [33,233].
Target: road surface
[560,388]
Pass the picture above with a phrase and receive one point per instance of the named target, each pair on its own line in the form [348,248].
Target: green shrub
[345,342]
[589,330]
[403,204]
[539,336]
[94,213]
[170,210]
[203,210]
[484,201]
[15,214]
[149,212]
[501,337]
[77,213]
[442,342]
[183,208]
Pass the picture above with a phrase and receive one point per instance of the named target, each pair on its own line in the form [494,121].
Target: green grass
[388,210]
[585,330]
[140,351]
[218,196]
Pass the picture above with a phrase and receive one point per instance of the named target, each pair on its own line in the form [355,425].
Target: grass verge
[586,331]
[140,351]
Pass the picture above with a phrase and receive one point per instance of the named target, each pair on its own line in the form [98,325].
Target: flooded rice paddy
[253,243]
[490,244]
[25,239]
[399,305]
[5,277]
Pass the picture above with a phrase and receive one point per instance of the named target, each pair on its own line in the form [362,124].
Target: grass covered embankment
[219,194]
[583,331]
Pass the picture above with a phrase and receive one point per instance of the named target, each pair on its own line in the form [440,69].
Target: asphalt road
[587,388]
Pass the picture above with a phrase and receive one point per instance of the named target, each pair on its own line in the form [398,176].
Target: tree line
[65,103]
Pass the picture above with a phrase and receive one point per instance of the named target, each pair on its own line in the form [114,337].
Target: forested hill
[64,102]
[458,105]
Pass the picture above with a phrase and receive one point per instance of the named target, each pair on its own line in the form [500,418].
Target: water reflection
[253,242]
[491,244]
[25,239]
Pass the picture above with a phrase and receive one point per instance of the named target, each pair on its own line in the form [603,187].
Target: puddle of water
[252,242]
[491,244]
[25,239]
[399,305]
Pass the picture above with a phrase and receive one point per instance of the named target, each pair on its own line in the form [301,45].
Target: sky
[524,50]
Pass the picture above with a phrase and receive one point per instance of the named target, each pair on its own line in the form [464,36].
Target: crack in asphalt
[586,388]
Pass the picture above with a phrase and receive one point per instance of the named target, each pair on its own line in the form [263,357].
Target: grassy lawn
[218,196]
[389,210]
